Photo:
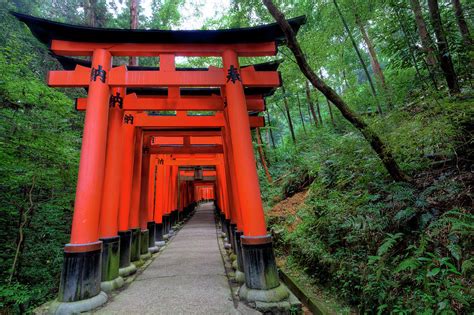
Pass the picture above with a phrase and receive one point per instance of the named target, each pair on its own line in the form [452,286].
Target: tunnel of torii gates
[142,171]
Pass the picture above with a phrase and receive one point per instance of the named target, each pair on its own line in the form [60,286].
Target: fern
[388,243]
[410,263]
[405,214]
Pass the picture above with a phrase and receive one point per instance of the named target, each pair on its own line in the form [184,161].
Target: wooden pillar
[128,138]
[134,217]
[143,208]
[80,277]
[257,251]
[108,231]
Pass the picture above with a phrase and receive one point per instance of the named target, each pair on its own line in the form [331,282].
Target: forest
[365,161]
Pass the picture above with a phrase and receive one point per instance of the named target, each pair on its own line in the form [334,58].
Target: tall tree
[374,60]
[410,43]
[301,112]
[288,116]
[270,128]
[310,103]
[443,49]
[90,10]
[426,41]
[463,28]
[328,103]
[359,55]
[261,153]
[381,149]
[134,5]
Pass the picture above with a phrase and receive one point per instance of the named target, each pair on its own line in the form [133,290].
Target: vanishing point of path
[188,276]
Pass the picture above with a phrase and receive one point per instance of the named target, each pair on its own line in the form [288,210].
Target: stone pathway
[187,277]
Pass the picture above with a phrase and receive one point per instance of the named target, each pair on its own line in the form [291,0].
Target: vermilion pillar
[110,196]
[80,277]
[165,200]
[128,151]
[151,225]
[239,127]
[143,206]
[134,217]
[158,211]
[259,260]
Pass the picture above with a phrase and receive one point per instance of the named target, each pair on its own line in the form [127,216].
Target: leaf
[407,264]
[388,243]
[433,272]
[455,250]
[405,214]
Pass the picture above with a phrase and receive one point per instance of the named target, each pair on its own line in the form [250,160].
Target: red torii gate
[81,274]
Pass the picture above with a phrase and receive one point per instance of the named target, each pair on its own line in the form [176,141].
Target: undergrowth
[384,247]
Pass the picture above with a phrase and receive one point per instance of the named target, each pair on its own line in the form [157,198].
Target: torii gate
[81,274]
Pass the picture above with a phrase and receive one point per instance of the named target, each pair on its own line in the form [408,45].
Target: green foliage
[39,150]
[384,247]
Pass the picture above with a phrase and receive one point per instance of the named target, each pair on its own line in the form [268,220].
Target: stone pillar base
[151,226]
[109,286]
[135,245]
[80,275]
[110,264]
[278,300]
[154,249]
[144,252]
[145,257]
[160,243]
[259,262]
[239,276]
[125,246]
[127,271]
[262,288]
[77,307]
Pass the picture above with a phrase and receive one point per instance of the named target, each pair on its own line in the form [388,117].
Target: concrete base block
[76,307]
[145,256]
[239,276]
[234,265]
[109,286]
[154,249]
[139,263]
[278,294]
[127,271]
[160,243]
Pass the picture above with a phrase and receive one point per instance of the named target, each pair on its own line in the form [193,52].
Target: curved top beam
[46,31]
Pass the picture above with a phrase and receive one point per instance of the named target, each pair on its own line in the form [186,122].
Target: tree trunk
[301,113]
[21,237]
[371,136]
[463,28]
[261,152]
[310,103]
[90,8]
[359,55]
[287,110]
[443,49]
[134,4]
[410,43]
[328,103]
[426,41]
[374,61]
[270,128]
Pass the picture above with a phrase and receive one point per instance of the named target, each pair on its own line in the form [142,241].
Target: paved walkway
[188,277]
